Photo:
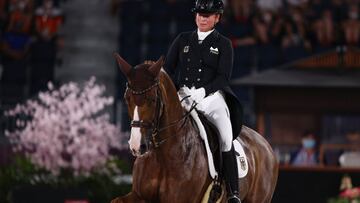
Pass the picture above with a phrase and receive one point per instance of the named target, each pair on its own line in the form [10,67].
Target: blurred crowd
[286,30]
[265,33]
[29,41]
[311,24]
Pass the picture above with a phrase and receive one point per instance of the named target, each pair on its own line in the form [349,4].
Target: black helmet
[208,6]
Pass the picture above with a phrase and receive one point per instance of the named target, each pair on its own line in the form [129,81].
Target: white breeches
[216,111]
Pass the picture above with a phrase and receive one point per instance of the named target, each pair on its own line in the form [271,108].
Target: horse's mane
[168,89]
[165,78]
[166,82]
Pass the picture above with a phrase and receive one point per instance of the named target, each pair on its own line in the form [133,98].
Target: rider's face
[206,22]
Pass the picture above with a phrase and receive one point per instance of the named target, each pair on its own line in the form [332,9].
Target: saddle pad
[241,159]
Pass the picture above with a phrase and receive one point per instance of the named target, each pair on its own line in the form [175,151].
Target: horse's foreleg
[129,198]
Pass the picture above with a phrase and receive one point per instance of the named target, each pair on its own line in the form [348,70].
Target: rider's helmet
[208,6]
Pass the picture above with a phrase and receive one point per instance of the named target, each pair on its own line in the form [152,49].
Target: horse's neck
[181,130]
[182,150]
[173,113]
[173,108]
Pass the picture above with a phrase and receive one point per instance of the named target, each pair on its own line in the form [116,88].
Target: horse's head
[143,98]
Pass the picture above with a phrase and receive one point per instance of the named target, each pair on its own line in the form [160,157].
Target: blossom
[66,128]
[351,193]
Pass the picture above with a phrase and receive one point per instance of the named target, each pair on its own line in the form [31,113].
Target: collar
[203,35]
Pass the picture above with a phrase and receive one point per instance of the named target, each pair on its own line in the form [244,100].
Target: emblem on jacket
[186,49]
[214,50]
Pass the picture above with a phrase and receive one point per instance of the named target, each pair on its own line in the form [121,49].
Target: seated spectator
[351,157]
[324,31]
[23,5]
[295,42]
[241,31]
[3,15]
[20,17]
[271,5]
[295,30]
[297,3]
[48,21]
[307,155]
[268,27]
[351,26]
[15,44]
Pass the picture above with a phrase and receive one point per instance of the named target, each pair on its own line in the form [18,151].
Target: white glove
[197,94]
[185,92]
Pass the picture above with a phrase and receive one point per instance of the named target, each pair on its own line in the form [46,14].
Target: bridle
[141,123]
[154,126]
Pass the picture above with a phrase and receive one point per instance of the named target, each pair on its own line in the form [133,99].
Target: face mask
[308,143]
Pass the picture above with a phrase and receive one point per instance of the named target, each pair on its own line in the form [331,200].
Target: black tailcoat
[206,65]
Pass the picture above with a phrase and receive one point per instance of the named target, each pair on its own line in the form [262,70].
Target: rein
[186,115]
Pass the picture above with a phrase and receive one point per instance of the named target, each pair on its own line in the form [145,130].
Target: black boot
[231,176]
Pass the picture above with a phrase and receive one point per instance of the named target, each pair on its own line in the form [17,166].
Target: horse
[174,167]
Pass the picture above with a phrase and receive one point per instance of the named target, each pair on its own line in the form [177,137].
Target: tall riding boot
[231,176]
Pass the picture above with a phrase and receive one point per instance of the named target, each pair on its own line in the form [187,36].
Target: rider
[200,63]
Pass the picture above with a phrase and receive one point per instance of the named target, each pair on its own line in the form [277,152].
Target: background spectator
[307,155]
[271,5]
[48,21]
[15,46]
[351,26]
[324,31]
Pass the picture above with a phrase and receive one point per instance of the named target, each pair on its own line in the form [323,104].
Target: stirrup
[233,199]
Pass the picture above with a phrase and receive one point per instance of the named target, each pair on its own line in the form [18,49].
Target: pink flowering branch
[67,129]
[351,193]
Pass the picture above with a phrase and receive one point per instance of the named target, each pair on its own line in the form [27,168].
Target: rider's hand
[184,94]
[197,94]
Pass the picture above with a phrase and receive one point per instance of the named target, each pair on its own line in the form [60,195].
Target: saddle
[215,191]
[210,135]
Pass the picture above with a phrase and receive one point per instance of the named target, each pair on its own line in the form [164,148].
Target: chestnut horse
[175,168]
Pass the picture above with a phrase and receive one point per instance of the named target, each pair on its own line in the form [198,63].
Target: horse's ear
[123,65]
[156,67]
